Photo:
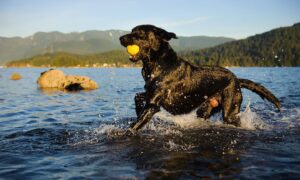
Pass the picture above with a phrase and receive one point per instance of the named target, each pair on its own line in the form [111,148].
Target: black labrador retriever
[180,87]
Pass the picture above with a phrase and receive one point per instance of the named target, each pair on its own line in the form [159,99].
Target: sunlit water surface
[53,134]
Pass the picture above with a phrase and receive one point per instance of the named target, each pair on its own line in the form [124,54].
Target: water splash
[185,121]
[251,121]
[96,135]
[172,146]
[164,124]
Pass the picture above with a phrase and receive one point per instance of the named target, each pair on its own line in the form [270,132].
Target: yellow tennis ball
[133,49]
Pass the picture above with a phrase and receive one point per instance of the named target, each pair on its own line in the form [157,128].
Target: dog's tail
[263,92]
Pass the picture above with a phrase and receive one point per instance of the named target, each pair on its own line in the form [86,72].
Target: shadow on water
[51,91]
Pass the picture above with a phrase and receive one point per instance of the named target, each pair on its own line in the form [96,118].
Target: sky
[229,18]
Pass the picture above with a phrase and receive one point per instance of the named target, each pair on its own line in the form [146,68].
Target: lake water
[60,135]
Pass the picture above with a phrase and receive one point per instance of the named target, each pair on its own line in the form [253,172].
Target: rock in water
[54,78]
[15,76]
[83,82]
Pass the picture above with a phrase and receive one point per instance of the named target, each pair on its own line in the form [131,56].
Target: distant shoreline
[78,66]
[74,67]
[82,67]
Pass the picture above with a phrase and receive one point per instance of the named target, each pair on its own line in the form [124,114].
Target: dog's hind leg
[139,102]
[209,107]
[204,110]
[231,103]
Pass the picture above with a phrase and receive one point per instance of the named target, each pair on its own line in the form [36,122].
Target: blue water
[53,134]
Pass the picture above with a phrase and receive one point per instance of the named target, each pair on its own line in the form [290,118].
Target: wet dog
[180,87]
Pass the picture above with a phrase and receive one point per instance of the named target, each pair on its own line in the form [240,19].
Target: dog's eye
[139,35]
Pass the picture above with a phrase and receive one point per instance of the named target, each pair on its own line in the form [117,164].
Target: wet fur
[180,87]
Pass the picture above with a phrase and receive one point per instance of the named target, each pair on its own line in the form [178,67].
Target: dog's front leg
[144,117]
[152,106]
[139,102]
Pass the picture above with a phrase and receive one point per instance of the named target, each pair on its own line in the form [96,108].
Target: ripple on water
[82,135]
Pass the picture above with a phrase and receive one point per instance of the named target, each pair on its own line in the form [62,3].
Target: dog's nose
[122,39]
[126,40]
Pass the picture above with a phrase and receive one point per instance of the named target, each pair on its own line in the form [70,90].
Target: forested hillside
[107,59]
[279,47]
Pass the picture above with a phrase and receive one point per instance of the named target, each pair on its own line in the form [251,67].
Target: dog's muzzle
[132,49]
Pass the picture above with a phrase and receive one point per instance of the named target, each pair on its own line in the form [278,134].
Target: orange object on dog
[213,102]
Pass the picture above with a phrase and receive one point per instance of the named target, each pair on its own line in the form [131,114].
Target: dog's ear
[165,35]
[169,36]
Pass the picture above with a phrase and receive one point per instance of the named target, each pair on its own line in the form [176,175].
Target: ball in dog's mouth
[133,50]
[133,58]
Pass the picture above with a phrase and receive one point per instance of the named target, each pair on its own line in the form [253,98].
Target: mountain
[89,42]
[80,43]
[278,47]
[197,42]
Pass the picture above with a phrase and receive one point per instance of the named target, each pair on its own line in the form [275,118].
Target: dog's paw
[130,132]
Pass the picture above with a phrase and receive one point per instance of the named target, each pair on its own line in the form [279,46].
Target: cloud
[184,22]
[161,23]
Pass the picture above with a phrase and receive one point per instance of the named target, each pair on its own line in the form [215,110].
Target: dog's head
[150,39]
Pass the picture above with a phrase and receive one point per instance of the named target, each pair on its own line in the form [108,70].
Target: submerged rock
[15,76]
[54,78]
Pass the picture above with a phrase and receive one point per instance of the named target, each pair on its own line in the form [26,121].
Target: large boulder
[54,78]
